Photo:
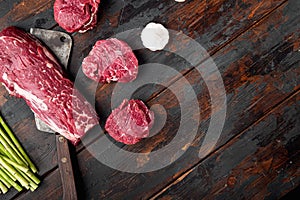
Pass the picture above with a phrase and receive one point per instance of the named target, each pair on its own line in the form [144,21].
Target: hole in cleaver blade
[60,44]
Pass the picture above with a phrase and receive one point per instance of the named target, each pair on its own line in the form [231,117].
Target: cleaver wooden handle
[65,168]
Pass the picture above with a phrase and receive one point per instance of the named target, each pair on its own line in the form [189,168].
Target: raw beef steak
[76,15]
[29,71]
[111,60]
[130,122]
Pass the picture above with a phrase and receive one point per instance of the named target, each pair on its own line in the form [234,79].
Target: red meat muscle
[130,122]
[111,60]
[76,15]
[29,71]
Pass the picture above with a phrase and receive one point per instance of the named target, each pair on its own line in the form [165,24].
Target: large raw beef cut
[76,15]
[111,60]
[130,122]
[29,71]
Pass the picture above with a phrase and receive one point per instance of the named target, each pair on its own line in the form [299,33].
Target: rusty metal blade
[58,42]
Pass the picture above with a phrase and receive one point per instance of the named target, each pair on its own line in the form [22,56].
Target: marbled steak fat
[29,71]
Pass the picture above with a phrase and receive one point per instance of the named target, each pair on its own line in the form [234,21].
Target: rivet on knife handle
[65,168]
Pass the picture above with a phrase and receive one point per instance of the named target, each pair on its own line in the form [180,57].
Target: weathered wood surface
[255,44]
[260,163]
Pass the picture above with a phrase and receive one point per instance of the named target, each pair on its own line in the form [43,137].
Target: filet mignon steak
[76,15]
[111,60]
[130,122]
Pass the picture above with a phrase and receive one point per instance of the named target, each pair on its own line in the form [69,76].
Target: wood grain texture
[255,91]
[204,22]
[51,189]
[204,37]
[22,10]
[261,163]
[40,146]
[258,60]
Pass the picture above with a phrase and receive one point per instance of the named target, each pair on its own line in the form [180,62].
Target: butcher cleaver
[60,44]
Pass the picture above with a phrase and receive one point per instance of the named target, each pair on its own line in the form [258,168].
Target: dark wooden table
[255,45]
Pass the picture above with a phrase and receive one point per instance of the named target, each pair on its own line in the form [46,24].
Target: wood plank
[117,16]
[156,15]
[50,189]
[6,6]
[253,89]
[225,173]
[261,163]
[42,149]
[40,146]
[249,89]
[208,33]
[206,21]
[292,194]
[84,42]
[39,12]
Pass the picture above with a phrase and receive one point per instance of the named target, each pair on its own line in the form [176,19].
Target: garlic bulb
[155,36]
